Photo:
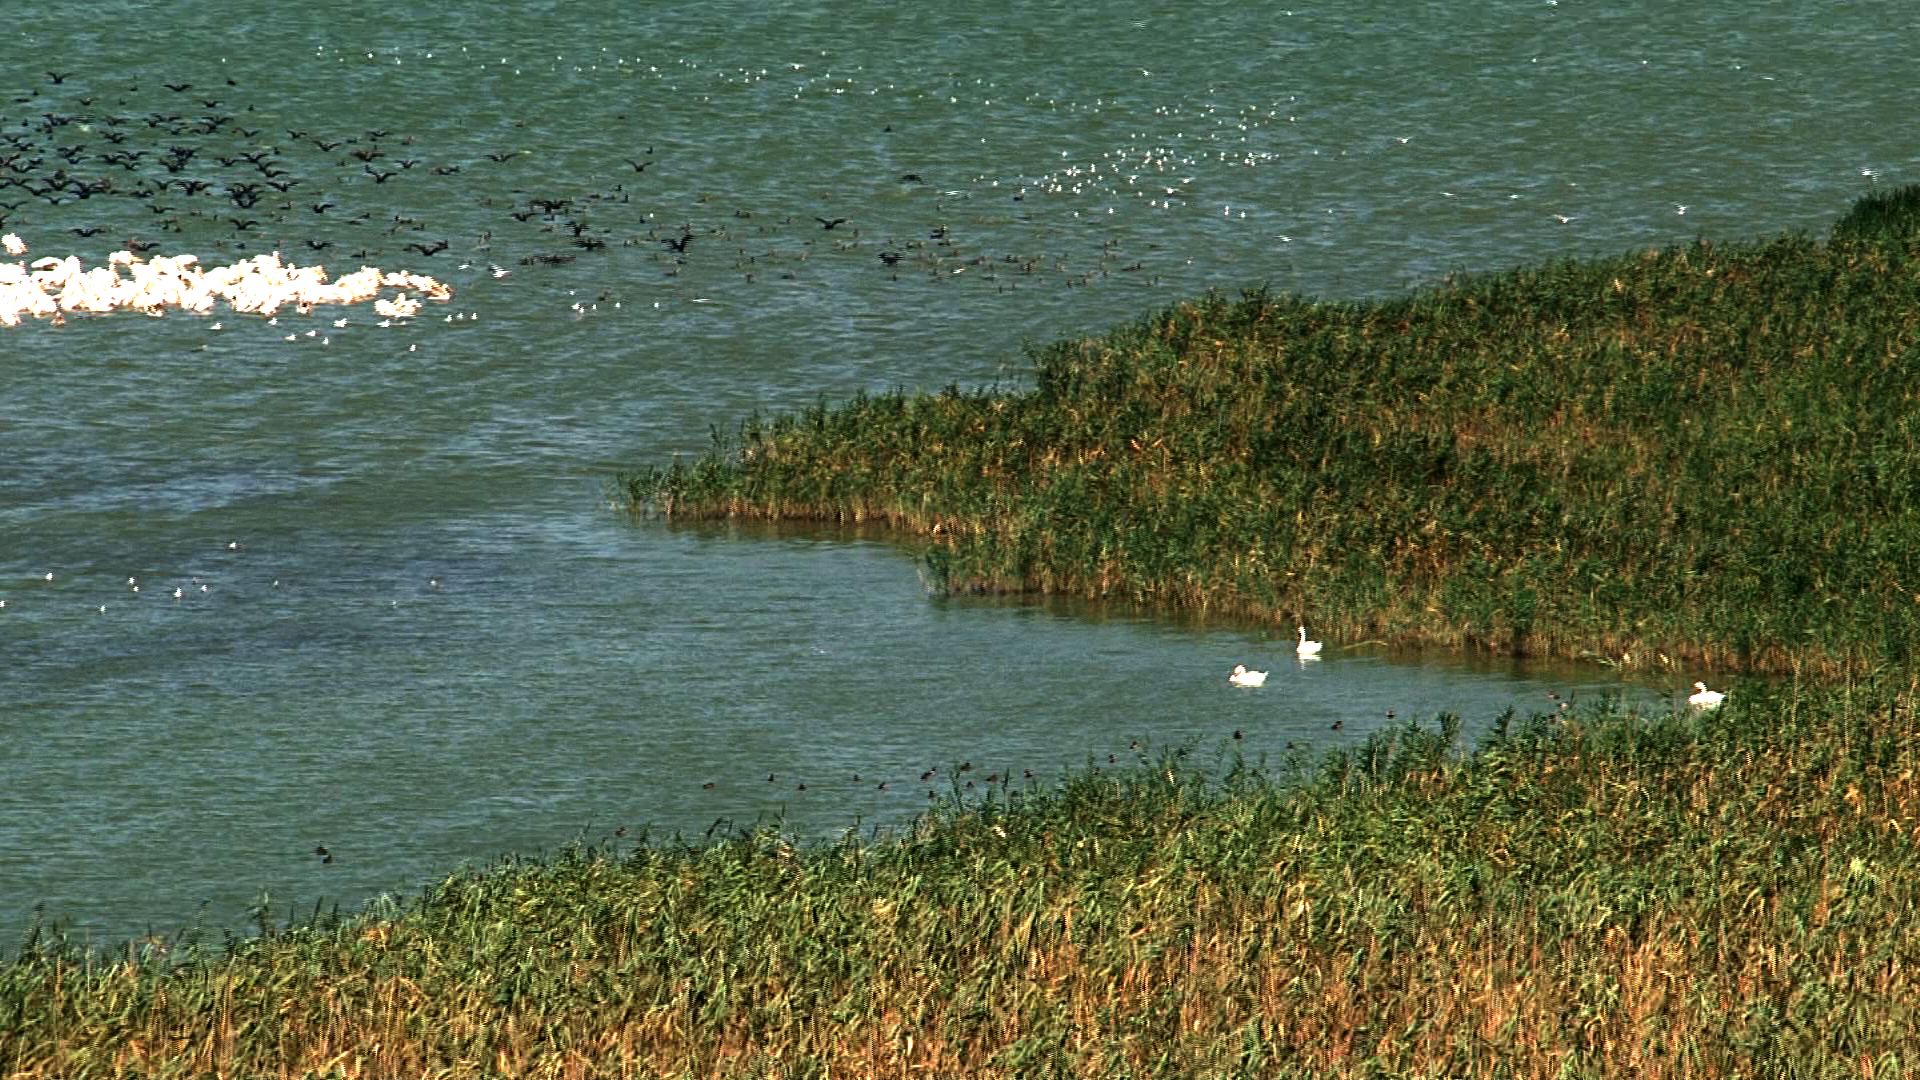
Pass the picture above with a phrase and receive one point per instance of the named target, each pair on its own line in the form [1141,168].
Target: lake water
[425,639]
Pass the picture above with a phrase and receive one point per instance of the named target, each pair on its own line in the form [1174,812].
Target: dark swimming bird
[891,257]
[325,855]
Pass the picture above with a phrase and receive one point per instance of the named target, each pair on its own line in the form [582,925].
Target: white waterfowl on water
[1307,648]
[1242,677]
[49,287]
[1705,698]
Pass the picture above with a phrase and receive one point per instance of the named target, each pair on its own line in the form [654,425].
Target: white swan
[1242,677]
[1705,699]
[1307,648]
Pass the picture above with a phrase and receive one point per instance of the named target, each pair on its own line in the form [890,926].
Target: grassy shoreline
[1702,457]
[1725,893]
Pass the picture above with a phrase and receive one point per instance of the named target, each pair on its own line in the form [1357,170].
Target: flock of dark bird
[180,167]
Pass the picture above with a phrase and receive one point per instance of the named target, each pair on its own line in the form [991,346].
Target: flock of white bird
[49,287]
[1702,698]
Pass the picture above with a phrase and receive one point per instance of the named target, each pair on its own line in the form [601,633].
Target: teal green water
[435,643]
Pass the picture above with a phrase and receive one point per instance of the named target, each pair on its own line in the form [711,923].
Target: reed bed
[1704,456]
[1729,893]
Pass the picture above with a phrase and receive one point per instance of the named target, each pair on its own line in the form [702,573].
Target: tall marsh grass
[1723,894]
[1700,456]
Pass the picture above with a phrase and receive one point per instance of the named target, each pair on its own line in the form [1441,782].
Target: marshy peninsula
[1698,461]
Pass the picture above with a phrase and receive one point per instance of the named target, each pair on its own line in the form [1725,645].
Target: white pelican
[399,307]
[49,286]
[1705,699]
[1307,648]
[1242,677]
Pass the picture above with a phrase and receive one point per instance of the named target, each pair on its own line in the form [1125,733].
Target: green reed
[1601,894]
[1704,455]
